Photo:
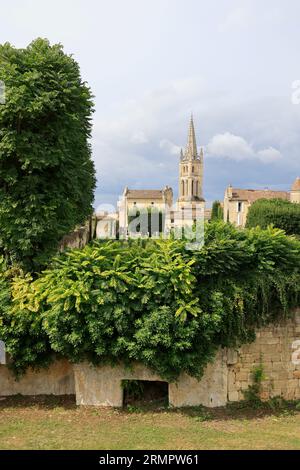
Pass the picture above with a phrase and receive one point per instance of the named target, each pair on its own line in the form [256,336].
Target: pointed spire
[191,148]
[201,153]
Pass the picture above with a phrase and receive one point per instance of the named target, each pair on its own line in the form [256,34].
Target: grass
[56,423]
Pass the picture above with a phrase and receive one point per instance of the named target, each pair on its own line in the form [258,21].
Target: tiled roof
[144,194]
[252,195]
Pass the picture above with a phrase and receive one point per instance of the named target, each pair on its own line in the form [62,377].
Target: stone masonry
[278,348]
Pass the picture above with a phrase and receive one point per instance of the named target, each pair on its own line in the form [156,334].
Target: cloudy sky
[150,63]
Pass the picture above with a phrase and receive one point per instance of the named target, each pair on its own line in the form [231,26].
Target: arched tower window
[193,187]
[197,188]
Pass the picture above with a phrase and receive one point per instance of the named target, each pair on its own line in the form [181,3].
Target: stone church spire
[191,170]
[191,148]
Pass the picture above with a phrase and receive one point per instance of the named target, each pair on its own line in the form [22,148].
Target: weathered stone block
[232,357]
[58,379]
[233,396]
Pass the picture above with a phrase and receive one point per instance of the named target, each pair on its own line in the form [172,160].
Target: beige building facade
[136,208]
[237,201]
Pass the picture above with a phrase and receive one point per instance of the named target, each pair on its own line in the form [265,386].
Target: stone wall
[277,347]
[102,386]
[58,379]
[80,236]
[76,239]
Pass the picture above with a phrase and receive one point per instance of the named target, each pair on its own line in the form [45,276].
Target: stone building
[295,191]
[237,201]
[134,208]
[189,207]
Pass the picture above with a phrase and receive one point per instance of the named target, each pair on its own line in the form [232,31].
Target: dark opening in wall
[145,392]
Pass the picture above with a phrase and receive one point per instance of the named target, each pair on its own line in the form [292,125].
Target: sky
[150,63]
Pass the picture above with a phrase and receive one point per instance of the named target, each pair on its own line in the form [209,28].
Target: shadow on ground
[241,410]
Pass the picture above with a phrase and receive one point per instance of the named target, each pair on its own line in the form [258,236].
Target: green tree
[217,211]
[46,171]
[282,214]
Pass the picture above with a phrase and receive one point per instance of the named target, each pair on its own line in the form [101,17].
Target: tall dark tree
[47,176]
[217,211]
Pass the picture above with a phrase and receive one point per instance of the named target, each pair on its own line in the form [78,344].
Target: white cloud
[237,148]
[245,15]
[236,19]
[229,145]
[139,137]
[170,147]
[269,155]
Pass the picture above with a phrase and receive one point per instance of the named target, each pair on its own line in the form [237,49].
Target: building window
[239,206]
[134,203]
[192,188]
[182,187]
[192,169]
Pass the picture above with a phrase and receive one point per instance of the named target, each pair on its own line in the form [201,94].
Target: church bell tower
[191,172]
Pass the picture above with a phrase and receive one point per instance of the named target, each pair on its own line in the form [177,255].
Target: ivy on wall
[151,301]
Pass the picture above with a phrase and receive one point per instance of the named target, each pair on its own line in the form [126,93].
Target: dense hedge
[151,301]
[282,214]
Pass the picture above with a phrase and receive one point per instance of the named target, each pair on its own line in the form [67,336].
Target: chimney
[229,191]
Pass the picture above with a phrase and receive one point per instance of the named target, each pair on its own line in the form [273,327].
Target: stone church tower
[191,173]
[191,170]
[190,202]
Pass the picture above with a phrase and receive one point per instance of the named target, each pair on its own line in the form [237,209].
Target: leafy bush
[46,171]
[282,214]
[152,301]
[253,393]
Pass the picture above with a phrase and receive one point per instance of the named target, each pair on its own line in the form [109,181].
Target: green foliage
[152,301]
[133,388]
[28,343]
[217,211]
[282,214]
[252,394]
[46,172]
